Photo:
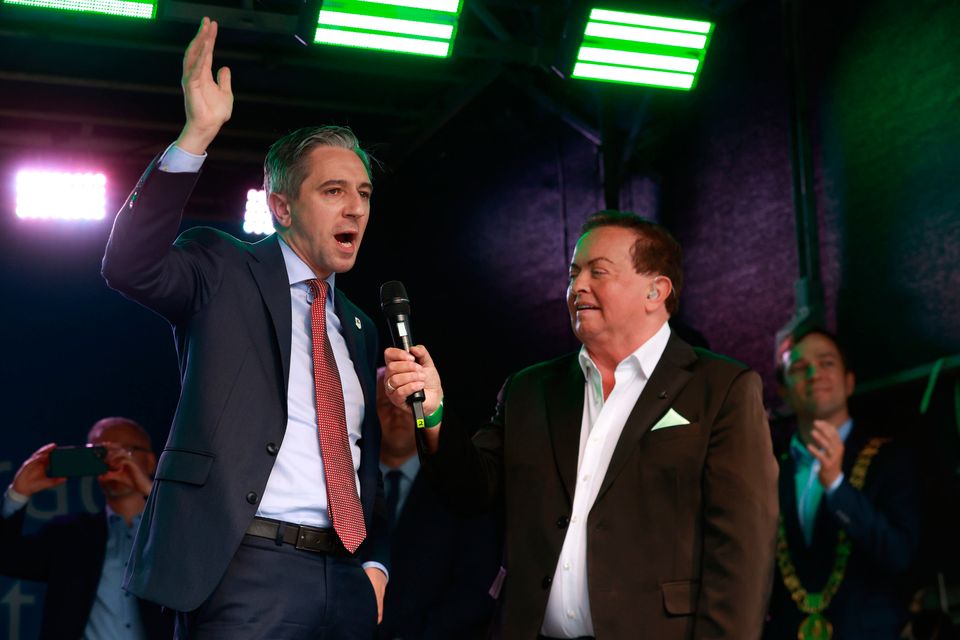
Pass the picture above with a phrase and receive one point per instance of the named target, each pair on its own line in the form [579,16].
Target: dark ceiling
[86,87]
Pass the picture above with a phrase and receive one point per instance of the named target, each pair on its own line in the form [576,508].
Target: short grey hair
[285,167]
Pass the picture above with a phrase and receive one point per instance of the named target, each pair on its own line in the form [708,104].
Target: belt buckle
[312,539]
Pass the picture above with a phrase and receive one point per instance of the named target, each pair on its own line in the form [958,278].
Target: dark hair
[285,167]
[655,251]
[798,335]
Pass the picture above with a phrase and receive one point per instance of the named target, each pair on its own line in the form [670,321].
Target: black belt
[301,536]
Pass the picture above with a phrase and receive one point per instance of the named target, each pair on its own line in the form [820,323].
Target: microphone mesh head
[393,298]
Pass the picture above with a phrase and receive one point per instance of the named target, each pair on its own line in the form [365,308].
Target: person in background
[849,508]
[442,562]
[81,557]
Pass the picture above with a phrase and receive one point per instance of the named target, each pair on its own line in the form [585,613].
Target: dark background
[490,166]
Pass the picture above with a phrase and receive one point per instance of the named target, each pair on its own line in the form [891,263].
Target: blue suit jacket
[229,304]
[883,523]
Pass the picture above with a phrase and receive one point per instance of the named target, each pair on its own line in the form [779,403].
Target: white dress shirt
[297,490]
[568,608]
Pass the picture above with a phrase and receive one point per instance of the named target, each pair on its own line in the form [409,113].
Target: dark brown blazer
[680,539]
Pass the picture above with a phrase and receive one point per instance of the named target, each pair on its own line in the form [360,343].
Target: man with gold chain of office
[849,528]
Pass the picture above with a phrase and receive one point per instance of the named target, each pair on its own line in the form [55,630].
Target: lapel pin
[357,320]
[662,395]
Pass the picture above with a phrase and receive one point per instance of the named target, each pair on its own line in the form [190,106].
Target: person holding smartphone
[82,556]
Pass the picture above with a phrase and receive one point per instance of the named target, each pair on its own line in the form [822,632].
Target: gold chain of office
[815,626]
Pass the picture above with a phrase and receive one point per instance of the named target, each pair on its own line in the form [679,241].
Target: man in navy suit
[262,522]
[81,556]
[443,562]
[849,509]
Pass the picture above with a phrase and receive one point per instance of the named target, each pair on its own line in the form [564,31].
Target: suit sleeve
[376,548]
[740,517]
[26,557]
[887,529]
[143,262]
[465,470]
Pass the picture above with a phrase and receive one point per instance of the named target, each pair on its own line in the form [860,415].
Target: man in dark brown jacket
[638,476]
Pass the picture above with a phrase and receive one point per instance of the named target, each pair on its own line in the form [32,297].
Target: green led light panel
[422,27]
[635,48]
[127,8]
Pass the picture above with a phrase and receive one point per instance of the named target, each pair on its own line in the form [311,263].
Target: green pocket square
[670,419]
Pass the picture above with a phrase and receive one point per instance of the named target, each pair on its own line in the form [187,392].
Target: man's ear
[659,291]
[849,381]
[151,463]
[280,208]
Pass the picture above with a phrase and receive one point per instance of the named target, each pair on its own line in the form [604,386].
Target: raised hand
[208,103]
[31,477]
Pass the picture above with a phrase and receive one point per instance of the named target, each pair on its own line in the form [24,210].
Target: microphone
[396,308]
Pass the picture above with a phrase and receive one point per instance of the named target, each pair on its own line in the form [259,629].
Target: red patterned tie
[342,499]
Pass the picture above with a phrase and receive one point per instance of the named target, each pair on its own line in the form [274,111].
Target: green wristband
[435,418]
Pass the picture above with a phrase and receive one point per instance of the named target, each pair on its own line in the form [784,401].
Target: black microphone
[396,308]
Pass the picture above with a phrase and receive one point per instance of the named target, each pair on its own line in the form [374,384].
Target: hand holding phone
[31,477]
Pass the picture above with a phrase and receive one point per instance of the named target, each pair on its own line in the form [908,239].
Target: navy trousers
[282,593]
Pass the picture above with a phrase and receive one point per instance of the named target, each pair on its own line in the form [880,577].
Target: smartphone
[88,460]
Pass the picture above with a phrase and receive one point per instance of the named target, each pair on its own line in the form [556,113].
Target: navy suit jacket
[67,554]
[883,524]
[229,304]
[443,564]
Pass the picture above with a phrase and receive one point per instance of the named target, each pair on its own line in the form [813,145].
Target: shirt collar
[114,517]
[799,451]
[409,469]
[645,358]
[297,269]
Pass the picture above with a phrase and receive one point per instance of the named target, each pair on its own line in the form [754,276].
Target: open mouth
[345,240]
[586,307]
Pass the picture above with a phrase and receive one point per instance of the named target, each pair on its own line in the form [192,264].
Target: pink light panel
[61,195]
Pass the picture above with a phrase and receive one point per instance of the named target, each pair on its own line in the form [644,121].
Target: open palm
[208,103]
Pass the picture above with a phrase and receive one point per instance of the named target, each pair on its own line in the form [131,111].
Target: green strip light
[126,8]
[636,48]
[421,27]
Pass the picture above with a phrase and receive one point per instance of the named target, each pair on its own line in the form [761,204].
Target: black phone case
[77,461]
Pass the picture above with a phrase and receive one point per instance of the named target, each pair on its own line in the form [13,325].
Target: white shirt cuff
[377,565]
[13,502]
[176,160]
[834,485]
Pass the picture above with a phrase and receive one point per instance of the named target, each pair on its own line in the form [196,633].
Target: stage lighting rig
[421,27]
[642,49]
[144,9]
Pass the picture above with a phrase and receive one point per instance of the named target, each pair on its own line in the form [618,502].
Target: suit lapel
[668,378]
[270,273]
[788,509]
[564,399]
[353,336]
